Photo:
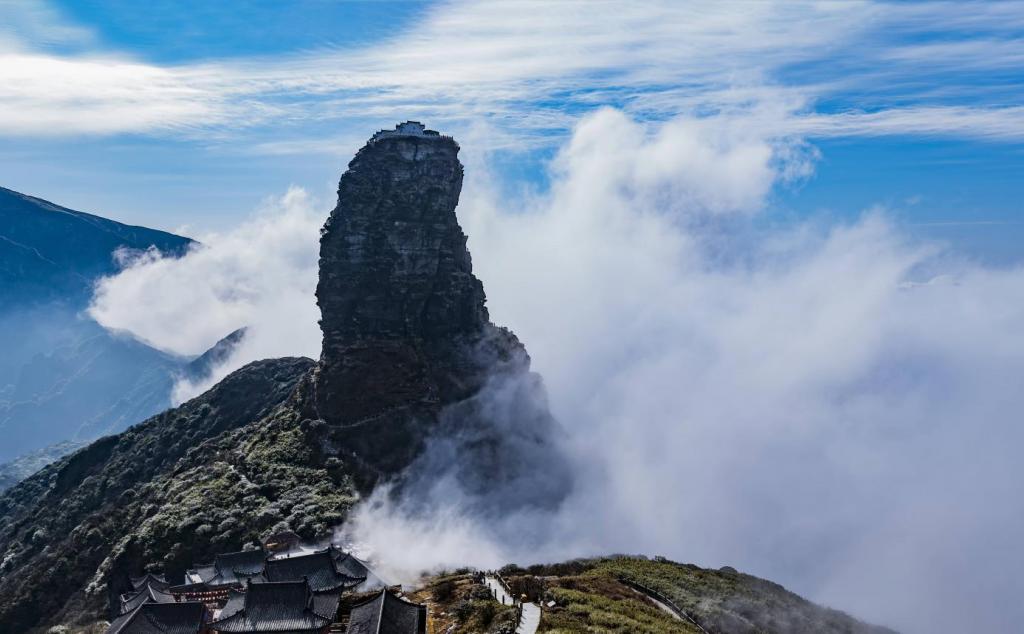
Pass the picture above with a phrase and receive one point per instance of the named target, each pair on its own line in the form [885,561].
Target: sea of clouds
[828,404]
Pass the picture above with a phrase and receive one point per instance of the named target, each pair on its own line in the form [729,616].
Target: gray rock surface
[407,336]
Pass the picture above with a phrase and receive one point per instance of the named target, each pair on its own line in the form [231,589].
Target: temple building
[212,582]
[387,614]
[409,128]
[162,618]
[325,570]
[149,580]
[147,594]
[348,564]
[288,606]
[261,591]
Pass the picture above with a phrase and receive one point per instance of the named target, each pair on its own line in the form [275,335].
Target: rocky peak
[403,316]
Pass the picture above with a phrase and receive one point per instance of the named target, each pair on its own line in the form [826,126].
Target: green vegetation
[214,475]
[458,604]
[596,602]
[597,595]
[17,470]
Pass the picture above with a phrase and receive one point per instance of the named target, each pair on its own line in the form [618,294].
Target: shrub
[443,591]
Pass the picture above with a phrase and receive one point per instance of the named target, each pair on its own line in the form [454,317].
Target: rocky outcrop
[406,329]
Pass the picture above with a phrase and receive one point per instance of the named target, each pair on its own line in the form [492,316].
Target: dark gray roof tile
[161,618]
[318,568]
[387,614]
[148,594]
[276,607]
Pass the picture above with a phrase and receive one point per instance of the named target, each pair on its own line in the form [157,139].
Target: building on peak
[408,129]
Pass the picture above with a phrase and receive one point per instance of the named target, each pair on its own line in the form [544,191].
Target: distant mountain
[62,376]
[97,384]
[15,471]
[52,253]
[203,366]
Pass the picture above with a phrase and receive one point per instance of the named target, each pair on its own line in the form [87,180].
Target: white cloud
[793,402]
[261,275]
[990,124]
[36,23]
[509,62]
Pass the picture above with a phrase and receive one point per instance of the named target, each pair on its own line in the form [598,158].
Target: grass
[597,602]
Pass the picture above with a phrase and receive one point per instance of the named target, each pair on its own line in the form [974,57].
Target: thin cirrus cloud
[530,70]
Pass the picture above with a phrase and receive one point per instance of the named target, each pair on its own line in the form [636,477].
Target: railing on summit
[659,597]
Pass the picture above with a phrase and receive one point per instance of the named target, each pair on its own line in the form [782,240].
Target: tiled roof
[148,594]
[348,565]
[278,607]
[324,603]
[318,568]
[230,568]
[149,580]
[387,614]
[161,618]
[235,603]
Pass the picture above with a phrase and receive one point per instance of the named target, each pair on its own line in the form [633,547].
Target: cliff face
[406,329]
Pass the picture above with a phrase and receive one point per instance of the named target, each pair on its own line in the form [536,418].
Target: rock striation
[405,325]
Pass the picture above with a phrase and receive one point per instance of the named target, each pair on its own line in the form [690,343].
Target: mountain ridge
[62,375]
[72,247]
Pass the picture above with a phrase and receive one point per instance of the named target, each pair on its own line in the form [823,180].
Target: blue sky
[188,115]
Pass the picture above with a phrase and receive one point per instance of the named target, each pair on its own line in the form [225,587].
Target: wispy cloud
[530,68]
[36,24]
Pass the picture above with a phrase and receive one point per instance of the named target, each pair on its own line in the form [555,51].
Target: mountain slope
[15,471]
[613,595]
[62,376]
[165,490]
[49,252]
